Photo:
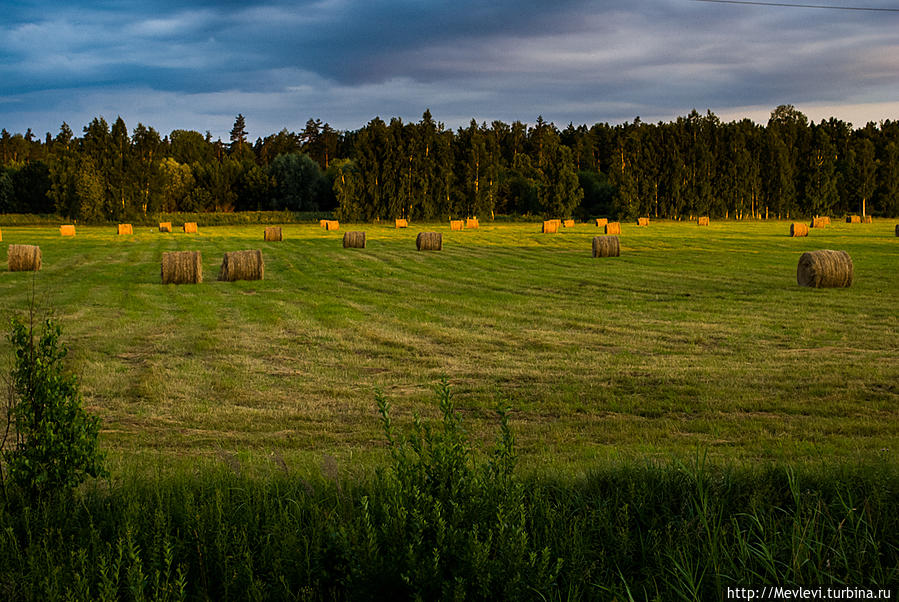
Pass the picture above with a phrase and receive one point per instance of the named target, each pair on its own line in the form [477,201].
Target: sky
[197,64]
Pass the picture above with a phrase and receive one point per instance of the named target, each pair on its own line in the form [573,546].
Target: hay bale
[272,234]
[825,269]
[332,224]
[550,226]
[1,235]
[797,229]
[853,219]
[190,227]
[68,230]
[568,223]
[703,221]
[472,223]
[23,258]
[642,221]
[354,240]
[429,241]
[606,246]
[868,219]
[818,222]
[182,267]
[242,265]
[125,229]
[402,223]
[165,226]
[826,220]
[601,222]
[456,224]
[323,223]
[613,228]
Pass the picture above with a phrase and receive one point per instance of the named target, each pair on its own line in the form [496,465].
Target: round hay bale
[853,219]
[613,228]
[323,223]
[550,226]
[797,229]
[242,265]
[601,222]
[429,241]
[354,240]
[1,235]
[165,226]
[642,221]
[568,223]
[472,223]
[402,223]
[456,224]
[606,246]
[332,224]
[190,227]
[818,222]
[703,221]
[182,267]
[68,230]
[23,258]
[272,234]
[125,229]
[825,269]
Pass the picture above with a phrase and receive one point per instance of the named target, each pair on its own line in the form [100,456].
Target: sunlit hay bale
[1,235]
[853,219]
[472,223]
[323,223]
[190,227]
[354,240]
[182,267]
[68,230]
[613,228]
[429,241]
[272,234]
[601,222]
[402,223]
[606,246]
[332,224]
[818,222]
[165,226]
[242,265]
[550,226]
[23,258]
[642,221]
[456,224]
[869,219]
[568,223]
[125,229]
[825,269]
[797,229]
[703,221]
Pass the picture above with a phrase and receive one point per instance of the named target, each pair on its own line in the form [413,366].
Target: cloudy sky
[197,64]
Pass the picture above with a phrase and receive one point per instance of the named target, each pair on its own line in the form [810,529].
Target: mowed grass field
[695,340]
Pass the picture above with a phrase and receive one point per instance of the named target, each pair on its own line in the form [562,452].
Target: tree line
[694,165]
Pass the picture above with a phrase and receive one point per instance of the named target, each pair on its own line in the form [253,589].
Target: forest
[694,165]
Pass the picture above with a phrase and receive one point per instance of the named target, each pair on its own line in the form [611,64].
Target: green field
[694,339]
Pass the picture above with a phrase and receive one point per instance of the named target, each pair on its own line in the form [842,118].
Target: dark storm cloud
[346,61]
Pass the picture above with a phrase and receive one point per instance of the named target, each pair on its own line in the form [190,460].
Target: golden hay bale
[1,235]
[868,219]
[550,226]
[190,227]
[354,240]
[818,222]
[797,229]
[568,223]
[642,221]
[703,221]
[272,234]
[332,224]
[472,223]
[165,226]
[429,241]
[67,230]
[23,258]
[613,228]
[402,223]
[456,224]
[125,229]
[182,267]
[853,219]
[606,246]
[323,223]
[601,222]
[242,265]
[825,269]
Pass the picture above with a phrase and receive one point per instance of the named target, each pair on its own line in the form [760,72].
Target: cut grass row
[693,338]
